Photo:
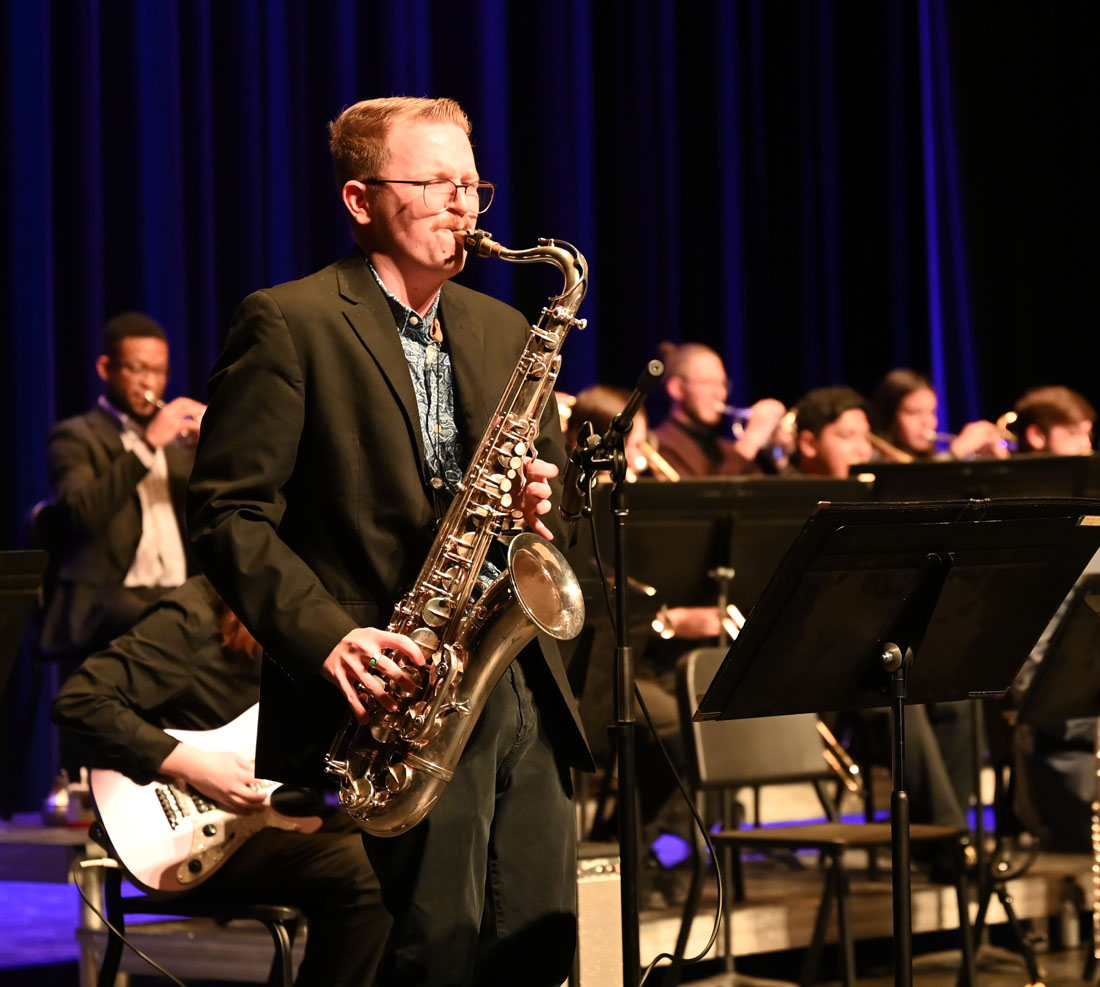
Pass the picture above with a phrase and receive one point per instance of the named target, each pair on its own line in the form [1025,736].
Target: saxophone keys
[437,611]
[427,640]
[398,776]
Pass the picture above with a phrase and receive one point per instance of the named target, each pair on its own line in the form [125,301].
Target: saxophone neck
[567,258]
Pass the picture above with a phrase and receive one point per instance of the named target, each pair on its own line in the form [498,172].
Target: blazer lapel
[371,318]
[107,430]
[465,338]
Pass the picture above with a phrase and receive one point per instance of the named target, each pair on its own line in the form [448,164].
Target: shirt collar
[126,423]
[408,322]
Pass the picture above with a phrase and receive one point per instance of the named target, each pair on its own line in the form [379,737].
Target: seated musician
[691,439]
[1054,420]
[831,435]
[905,416]
[831,432]
[1055,764]
[661,808]
[190,664]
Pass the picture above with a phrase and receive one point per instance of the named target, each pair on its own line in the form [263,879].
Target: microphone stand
[592,454]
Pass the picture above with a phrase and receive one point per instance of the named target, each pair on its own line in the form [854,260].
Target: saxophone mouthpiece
[478,242]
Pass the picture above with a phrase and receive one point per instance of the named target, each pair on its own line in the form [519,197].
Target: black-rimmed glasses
[440,192]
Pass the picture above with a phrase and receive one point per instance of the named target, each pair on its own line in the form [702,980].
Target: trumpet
[156,402]
[744,414]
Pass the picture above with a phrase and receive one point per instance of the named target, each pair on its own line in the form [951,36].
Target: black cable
[108,862]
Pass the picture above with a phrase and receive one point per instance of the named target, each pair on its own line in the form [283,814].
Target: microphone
[575,481]
[623,422]
[594,452]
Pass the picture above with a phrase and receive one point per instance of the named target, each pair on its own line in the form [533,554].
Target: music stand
[1017,476]
[20,577]
[889,604]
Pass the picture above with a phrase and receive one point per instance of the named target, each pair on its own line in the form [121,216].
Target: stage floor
[38,942]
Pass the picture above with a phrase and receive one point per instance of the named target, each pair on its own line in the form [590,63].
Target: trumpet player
[1054,420]
[691,438]
[904,406]
[119,477]
[342,415]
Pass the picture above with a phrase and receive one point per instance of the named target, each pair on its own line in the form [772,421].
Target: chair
[727,755]
[282,921]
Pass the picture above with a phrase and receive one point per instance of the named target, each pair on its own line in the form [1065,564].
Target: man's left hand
[536,495]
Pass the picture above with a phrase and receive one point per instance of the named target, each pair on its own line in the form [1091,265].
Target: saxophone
[392,768]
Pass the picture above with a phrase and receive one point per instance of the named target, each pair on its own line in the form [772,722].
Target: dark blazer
[310,503]
[94,481]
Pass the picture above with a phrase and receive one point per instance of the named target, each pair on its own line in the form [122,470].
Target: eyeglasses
[439,193]
[142,369]
[716,383]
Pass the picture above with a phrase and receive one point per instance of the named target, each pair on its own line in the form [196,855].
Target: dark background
[819,190]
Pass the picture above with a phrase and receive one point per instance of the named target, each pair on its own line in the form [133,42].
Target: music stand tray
[889,604]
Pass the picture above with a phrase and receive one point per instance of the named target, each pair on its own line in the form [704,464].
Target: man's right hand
[359,668]
[178,419]
[225,777]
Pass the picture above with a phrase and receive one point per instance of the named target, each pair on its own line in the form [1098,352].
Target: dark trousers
[483,891]
[326,876]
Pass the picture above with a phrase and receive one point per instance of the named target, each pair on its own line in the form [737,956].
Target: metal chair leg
[968,972]
[821,926]
[112,954]
[844,920]
[282,973]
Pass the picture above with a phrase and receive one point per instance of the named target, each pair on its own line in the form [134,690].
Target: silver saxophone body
[393,767]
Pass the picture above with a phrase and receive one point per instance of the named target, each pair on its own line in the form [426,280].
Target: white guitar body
[170,839]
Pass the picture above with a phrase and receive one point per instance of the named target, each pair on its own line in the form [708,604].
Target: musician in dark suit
[343,411]
[189,664]
[119,477]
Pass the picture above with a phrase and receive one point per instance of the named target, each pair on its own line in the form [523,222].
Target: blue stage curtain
[777,180]
[805,185]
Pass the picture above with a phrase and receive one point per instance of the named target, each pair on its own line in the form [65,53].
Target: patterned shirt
[433,382]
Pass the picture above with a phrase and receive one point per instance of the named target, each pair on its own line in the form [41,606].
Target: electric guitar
[170,838]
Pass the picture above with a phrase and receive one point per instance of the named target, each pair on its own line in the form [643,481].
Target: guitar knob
[194,866]
[209,829]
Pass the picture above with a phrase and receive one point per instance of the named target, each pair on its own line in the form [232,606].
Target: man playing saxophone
[342,413]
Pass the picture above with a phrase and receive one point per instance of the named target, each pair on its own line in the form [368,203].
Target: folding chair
[726,755]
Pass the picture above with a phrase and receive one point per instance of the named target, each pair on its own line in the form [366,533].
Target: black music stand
[889,604]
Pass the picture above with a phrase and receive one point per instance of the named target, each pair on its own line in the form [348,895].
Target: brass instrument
[393,767]
[660,467]
[841,761]
[890,452]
